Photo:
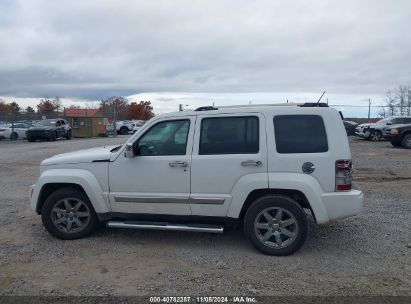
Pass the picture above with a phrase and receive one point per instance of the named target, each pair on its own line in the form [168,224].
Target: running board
[167,226]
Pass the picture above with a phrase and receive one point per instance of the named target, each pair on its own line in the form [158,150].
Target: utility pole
[180,107]
[369,108]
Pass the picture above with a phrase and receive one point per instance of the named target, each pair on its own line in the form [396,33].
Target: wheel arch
[54,179]
[296,195]
[50,188]
[304,188]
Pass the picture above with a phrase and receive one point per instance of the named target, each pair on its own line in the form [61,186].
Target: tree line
[398,101]
[115,106]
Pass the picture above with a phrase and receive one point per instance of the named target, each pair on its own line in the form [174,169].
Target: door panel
[153,182]
[227,147]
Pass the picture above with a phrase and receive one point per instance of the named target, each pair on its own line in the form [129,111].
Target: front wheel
[276,225]
[406,141]
[376,136]
[68,214]
[14,136]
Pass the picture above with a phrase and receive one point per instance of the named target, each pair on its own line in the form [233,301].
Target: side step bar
[167,226]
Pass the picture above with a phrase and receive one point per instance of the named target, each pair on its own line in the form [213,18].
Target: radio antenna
[321,97]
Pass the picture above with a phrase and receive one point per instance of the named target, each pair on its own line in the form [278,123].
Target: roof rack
[307,104]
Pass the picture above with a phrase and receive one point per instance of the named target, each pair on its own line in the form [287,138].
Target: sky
[199,52]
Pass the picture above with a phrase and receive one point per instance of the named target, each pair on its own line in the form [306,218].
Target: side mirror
[129,151]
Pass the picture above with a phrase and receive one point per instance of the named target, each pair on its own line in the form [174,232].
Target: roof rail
[314,104]
[206,108]
[290,104]
[261,105]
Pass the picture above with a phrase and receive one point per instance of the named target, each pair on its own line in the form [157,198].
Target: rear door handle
[178,164]
[255,163]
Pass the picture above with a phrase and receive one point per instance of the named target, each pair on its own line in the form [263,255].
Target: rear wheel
[68,214]
[53,136]
[30,139]
[68,136]
[276,225]
[406,141]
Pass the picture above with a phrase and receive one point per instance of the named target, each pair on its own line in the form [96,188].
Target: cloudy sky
[196,52]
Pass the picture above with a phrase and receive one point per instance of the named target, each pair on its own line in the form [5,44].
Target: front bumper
[362,133]
[340,205]
[39,135]
[33,197]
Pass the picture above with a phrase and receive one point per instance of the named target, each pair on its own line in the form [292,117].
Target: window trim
[135,144]
[286,153]
[73,125]
[224,117]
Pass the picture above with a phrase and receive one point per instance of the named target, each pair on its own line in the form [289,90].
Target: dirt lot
[365,255]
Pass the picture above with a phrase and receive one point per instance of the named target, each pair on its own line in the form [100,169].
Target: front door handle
[255,163]
[178,164]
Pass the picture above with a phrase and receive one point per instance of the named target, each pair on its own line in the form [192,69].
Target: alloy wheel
[70,215]
[276,227]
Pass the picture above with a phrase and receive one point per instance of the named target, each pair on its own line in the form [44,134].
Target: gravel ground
[364,255]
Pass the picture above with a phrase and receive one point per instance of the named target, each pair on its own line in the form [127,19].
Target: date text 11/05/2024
[204,299]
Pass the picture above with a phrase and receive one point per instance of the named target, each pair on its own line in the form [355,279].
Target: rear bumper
[340,205]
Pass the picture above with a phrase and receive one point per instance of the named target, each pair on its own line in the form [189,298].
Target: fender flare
[83,178]
[303,183]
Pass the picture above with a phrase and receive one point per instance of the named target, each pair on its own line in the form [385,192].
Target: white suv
[264,167]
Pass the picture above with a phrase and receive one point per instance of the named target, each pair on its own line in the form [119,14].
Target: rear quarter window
[300,134]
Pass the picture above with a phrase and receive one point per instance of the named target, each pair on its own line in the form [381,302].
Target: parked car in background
[124,127]
[136,125]
[15,131]
[49,129]
[350,127]
[400,136]
[378,131]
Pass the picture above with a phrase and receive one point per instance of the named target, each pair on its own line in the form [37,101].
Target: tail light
[343,175]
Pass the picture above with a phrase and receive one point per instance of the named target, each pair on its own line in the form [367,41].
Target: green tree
[30,110]
[14,106]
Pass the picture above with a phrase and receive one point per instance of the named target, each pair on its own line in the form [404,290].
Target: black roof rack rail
[207,108]
[314,104]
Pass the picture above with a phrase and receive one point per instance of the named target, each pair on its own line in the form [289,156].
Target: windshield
[46,123]
[383,121]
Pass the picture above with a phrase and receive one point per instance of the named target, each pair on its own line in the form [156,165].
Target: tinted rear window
[300,134]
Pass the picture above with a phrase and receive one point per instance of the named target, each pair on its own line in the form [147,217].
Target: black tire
[14,136]
[288,207]
[375,135]
[30,139]
[124,131]
[53,136]
[406,141]
[68,136]
[396,144]
[54,199]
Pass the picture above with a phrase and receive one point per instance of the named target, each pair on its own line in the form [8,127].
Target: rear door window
[229,135]
[300,134]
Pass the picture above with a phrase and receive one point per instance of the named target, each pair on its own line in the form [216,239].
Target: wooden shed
[85,122]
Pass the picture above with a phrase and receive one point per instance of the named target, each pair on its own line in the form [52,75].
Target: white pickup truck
[263,167]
